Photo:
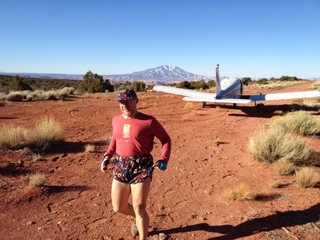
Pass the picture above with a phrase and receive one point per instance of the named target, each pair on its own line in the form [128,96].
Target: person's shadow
[253,226]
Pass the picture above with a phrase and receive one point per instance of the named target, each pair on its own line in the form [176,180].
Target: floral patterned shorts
[133,169]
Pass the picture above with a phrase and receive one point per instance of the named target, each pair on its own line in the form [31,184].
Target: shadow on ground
[253,226]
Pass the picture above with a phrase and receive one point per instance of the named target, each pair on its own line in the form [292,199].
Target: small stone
[31,223]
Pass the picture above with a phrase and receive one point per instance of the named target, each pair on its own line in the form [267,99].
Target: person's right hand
[104,163]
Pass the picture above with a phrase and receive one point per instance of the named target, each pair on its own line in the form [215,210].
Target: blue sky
[255,38]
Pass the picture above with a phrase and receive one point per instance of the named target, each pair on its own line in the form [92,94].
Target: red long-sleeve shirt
[134,137]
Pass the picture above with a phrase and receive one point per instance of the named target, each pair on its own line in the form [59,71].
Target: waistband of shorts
[134,157]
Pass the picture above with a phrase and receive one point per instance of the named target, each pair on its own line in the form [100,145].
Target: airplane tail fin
[218,86]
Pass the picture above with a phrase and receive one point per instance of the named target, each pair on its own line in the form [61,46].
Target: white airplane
[229,90]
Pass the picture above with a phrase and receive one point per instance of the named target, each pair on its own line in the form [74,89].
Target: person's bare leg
[120,193]
[140,193]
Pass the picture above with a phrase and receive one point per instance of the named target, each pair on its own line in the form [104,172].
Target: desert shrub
[138,86]
[47,132]
[37,95]
[273,144]
[37,157]
[18,84]
[275,183]
[14,97]
[300,123]
[283,167]
[316,85]
[189,105]
[240,192]
[64,92]
[2,96]
[89,148]
[13,137]
[306,177]
[50,95]
[36,179]
[92,83]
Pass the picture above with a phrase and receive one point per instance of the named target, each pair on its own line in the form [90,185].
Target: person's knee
[139,209]
[118,208]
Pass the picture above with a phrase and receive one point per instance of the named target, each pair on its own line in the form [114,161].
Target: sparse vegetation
[273,144]
[13,137]
[92,83]
[240,192]
[89,148]
[46,132]
[36,180]
[300,123]
[283,167]
[37,157]
[275,183]
[37,95]
[306,177]
[189,105]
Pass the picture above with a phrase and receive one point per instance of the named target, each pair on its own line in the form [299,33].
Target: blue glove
[104,163]
[161,164]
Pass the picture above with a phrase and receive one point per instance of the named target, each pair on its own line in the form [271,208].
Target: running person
[132,143]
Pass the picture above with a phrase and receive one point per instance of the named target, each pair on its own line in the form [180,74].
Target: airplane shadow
[267,111]
[253,226]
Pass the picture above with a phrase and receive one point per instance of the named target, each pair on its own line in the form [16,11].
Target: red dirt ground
[186,202]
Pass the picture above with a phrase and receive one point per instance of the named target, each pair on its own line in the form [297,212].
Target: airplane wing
[198,96]
[214,100]
[284,96]
[184,92]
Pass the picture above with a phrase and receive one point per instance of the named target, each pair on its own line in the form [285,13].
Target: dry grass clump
[274,84]
[13,137]
[47,131]
[316,85]
[65,92]
[189,105]
[300,123]
[240,192]
[36,179]
[37,95]
[273,144]
[275,183]
[37,157]
[89,148]
[283,167]
[2,96]
[306,177]
[14,96]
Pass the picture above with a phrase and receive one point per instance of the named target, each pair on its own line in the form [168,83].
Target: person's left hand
[161,164]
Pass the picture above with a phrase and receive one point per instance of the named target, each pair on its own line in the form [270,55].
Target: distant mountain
[159,74]
[45,75]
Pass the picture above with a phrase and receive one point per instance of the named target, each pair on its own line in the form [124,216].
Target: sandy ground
[186,202]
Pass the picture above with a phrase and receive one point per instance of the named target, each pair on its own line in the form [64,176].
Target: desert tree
[92,82]
[17,84]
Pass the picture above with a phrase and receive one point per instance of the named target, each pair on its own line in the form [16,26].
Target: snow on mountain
[166,72]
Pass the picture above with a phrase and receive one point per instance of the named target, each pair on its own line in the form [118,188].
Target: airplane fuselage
[229,88]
